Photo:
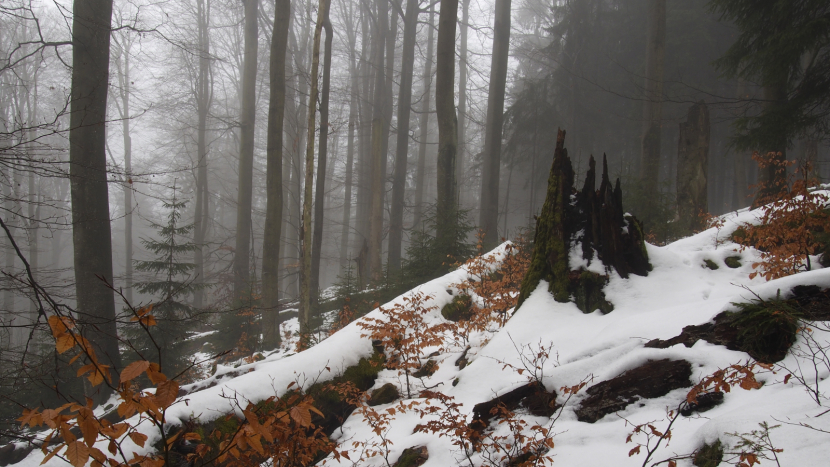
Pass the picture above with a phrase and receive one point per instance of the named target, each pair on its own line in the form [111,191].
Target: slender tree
[305,246]
[423,124]
[241,257]
[351,33]
[122,69]
[446,205]
[91,235]
[653,103]
[274,189]
[462,98]
[489,213]
[402,148]
[204,98]
[378,155]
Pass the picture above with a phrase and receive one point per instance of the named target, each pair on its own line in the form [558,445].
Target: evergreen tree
[171,283]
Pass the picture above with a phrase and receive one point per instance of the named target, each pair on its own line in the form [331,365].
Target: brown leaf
[166,393]
[77,453]
[301,415]
[138,438]
[134,369]
[636,450]
[64,342]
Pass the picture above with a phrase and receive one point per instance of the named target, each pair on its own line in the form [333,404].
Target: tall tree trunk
[446,206]
[322,155]
[345,257]
[423,125]
[653,104]
[305,246]
[241,257]
[770,178]
[462,100]
[692,168]
[204,92]
[122,68]
[377,159]
[402,148]
[489,213]
[91,233]
[274,203]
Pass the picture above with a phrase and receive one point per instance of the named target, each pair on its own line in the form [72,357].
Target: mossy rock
[710,455]
[766,328]
[711,264]
[460,308]
[384,395]
[412,457]
[733,262]
[586,289]
[428,369]
[739,235]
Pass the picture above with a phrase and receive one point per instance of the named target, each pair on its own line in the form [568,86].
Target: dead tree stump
[591,221]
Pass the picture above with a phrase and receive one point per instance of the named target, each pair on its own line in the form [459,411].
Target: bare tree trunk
[91,232]
[653,104]
[692,168]
[241,257]
[364,172]
[446,206]
[305,246]
[462,100]
[402,149]
[423,125]
[489,213]
[353,121]
[322,155]
[204,93]
[378,156]
[274,202]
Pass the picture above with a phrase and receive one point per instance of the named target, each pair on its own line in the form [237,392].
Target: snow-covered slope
[680,291]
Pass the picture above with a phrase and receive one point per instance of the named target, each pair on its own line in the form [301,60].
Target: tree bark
[241,257]
[322,156]
[204,94]
[462,100]
[446,206]
[377,159]
[653,104]
[364,164]
[423,125]
[305,246]
[402,148]
[345,257]
[770,178]
[489,212]
[273,177]
[91,233]
[692,169]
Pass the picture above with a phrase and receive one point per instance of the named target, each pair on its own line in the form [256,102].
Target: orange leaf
[166,393]
[77,453]
[64,342]
[636,450]
[138,438]
[134,369]
[301,416]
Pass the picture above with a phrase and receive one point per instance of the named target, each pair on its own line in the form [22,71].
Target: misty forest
[193,190]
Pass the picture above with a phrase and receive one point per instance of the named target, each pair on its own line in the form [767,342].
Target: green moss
[638,227]
[455,382]
[739,235]
[412,457]
[766,328]
[460,308]
[711,264]
[710,455]
[588,294]
[384,395]
[733,262]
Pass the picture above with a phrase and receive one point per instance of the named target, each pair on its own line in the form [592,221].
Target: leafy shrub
[710,455]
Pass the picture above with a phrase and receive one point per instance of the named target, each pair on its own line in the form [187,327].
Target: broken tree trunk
[591,221]
[692,165]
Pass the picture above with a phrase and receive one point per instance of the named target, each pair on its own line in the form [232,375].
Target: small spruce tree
[170,281]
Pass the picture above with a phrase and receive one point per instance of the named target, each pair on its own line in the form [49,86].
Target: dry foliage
[786,235]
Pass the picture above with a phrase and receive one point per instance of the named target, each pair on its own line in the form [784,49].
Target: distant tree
[783,45]
[653,104]
[172,283]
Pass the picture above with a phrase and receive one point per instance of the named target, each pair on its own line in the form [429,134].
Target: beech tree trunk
[273,177]
[305,246]
[446,205]
[402,148]
[345,257]
[204,96]
[692,169]
[423,124]
[489,212]
[241,257]
[653,104]
[91,234]
[378,155]
[462,100]
[322,155]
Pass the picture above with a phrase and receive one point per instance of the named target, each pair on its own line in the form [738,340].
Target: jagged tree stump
[592,221]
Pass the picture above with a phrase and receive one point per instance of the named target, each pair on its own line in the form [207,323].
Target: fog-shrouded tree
[446,203]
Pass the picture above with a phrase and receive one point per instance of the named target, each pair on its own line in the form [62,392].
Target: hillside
[680,291]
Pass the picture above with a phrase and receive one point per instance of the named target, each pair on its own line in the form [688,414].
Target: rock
[11,454]
[429,369]
[733,262]
[536,399]
[704,402]
[711,264]
[462,360]
[412,457]
[653,379]
[384,395]
[460,308]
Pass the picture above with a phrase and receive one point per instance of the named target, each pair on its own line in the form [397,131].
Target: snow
[680,291]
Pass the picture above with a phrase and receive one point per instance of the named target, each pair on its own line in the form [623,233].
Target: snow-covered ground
[680,291]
